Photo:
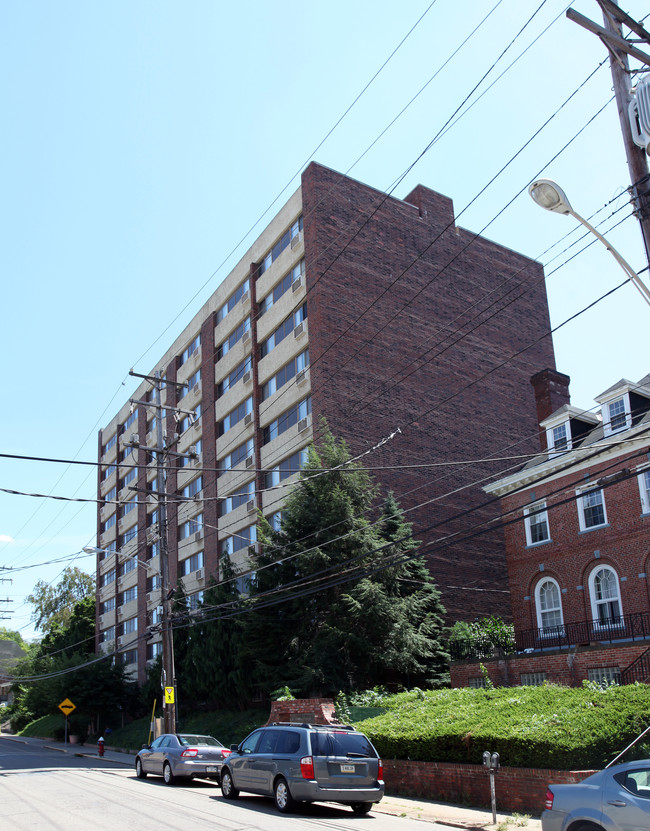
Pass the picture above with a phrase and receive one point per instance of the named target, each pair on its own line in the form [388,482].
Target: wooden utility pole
[620,50]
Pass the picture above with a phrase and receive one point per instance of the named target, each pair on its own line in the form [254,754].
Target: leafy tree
[11,635]
[54,604]
[480,638]
[362,621]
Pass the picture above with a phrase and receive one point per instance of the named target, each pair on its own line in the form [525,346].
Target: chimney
[551,392]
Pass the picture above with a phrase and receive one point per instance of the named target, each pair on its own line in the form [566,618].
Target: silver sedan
[614,799]
[177,756]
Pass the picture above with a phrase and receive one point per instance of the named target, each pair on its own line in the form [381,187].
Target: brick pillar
[551,392]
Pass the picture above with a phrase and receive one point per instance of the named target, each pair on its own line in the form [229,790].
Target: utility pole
[168,669]
[620,49]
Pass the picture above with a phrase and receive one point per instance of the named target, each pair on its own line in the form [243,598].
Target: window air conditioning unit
[101,621]
[120,640]
[148,437]
[120,582]
[247,377]
[120,614]
[248,419]
[198,536]
[250,506]
[246,336]
[298,331]
[639,115]
[245,298]
[249,461]
[199,574]
[303,424]
[297,284]
[295,241]
[301,376]
[149,597]
[195,390]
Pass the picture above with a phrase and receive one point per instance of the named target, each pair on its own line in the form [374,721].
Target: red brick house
[578,542]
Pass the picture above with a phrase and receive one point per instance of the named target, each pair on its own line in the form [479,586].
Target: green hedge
[541,727]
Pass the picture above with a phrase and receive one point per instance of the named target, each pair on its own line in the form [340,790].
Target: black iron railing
[632,627]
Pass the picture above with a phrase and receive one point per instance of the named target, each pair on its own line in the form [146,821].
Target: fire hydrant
[100,745]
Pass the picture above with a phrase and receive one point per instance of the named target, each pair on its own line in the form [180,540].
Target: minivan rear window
[341,744]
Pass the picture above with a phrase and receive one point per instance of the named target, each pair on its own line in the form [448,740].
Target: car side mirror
[146,746]
[234,748]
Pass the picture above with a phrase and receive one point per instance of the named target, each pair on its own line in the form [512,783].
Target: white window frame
[597,603]
[644,490]
[608,430]
[551,438]
[555,629]
[581,494]
[538,512]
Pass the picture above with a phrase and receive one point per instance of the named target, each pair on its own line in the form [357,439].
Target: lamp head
[550,196]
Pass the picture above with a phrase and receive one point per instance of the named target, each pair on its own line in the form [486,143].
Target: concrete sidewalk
[440,814]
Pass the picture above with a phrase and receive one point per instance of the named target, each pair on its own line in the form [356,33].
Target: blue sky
[142,140]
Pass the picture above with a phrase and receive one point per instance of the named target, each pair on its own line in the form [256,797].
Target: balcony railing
[632,627]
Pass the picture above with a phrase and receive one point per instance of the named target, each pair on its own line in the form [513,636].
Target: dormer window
[618,417]
[560,438]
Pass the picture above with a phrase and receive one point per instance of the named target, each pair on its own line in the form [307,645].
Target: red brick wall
[517,789]
[458,397]
[311,710]
[567,668]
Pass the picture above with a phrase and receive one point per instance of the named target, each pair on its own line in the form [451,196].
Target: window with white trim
[548,604]
[560,439]
[536,523]
[644,490]
[605,597]
[616,410]
[591,509]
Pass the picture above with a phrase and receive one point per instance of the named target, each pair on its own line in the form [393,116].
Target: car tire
[168,776]
[284,802]
[589,826]
[361,807]
[228,790]
[139,770]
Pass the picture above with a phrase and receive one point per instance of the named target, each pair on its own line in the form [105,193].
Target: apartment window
[230,380]
[108,634]
[287,467]
[127,507]
[189,419]
[244,451]
[128,535]
[108,471]
[232,301]
[282,287]
[591,509]
[284,329]
[129,594]
[153,550]
[184,461]
[191,349]
[131,420]
[108,523]
[109,548]
[536,523]
[285,374]
[233,338]
[154,582]
[193,488]
[194,601]
[154,650]
[129,476]
[187,529]
[604,675]
[239,497]
[107,606]
[617,416]
[275,520]
[280,245]
[549,608]
[110,443]
[191,382]
[288,418]
[128,565]
[644,490]
[155,615]
[108,578]
[110,495]
[242,539]
[152,518]
[605,597]
[532,679]
[560,438]
[191,564]
[236,415]
[130,625]
[129,657]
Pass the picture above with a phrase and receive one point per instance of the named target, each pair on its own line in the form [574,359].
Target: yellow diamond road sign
[66,706]
[169,695]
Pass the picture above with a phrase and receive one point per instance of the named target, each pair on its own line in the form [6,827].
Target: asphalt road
[41,788]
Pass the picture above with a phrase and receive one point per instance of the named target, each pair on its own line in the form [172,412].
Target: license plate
[211,769]
[347,768]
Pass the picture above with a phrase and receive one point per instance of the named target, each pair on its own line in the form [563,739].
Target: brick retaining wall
[517,789]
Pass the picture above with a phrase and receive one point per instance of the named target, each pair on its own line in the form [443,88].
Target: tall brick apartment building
[578,544]
[380,315]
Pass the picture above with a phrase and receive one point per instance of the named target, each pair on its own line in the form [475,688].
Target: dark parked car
[306,763]
[614,799]
[181,756]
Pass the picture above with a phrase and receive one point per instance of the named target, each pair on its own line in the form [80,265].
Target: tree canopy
[54,604]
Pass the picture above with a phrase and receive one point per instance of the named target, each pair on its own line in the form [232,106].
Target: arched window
[605,597]
[549,608]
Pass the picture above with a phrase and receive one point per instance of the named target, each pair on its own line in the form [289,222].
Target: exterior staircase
[638,670]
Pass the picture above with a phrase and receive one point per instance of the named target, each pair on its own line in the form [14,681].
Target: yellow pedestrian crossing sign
[66,706]
[169,695]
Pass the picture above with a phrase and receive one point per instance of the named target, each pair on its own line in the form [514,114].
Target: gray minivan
[306,763]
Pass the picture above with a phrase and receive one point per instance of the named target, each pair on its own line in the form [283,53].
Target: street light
[550,196]
[90,549]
